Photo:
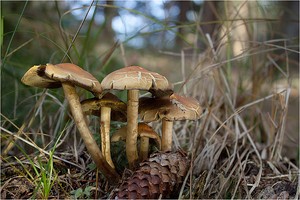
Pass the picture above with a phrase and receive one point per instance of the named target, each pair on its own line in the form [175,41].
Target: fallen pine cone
[162,174]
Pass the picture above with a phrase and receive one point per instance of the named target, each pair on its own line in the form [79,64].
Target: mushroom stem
[104,131]
[166,140]
[144,148]
[145,132]
[132,127]
[86,135]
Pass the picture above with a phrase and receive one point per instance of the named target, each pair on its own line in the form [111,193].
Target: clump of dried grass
[237,144]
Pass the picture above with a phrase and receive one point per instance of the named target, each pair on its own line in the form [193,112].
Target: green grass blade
[16,28]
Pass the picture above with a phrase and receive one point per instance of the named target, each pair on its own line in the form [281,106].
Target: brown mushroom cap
[68,72]
[137,78]
[144,130]
[150,108]
[36,77]
[174,108]
[93,107]
[189,108]
[51,76]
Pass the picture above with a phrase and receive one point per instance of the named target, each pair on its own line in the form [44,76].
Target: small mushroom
[169,109]
[93,107]
[67,75]
[133,79]
[144,132]
[108,108]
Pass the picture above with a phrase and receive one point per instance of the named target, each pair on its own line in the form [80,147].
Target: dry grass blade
[278,143]
[77,32]
[110,52]
[38,148]
[30,118]
[12,37]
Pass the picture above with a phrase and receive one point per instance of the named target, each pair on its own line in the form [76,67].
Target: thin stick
[183,71]
[78,30]
[13,34]
[123,54]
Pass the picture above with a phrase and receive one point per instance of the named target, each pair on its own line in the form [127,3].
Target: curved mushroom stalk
[86,135]
[144,132]
[104,131]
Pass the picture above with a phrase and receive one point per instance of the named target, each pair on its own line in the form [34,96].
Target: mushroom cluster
[164,105]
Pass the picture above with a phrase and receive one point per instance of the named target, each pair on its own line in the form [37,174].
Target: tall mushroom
[108,107]
[144,132]
[67,75]
[133,79]
[170,109]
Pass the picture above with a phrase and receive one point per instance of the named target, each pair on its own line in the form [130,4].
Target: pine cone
[162,174]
